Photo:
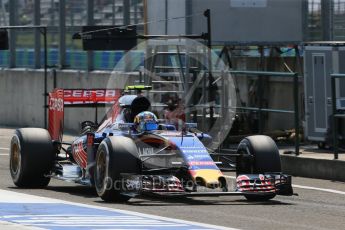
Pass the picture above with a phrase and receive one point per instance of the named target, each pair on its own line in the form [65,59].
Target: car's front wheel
[115,155]
[260,155]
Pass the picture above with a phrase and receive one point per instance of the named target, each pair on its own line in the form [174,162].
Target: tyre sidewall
[36,157]
[265,154]
[106,184]
[265,159]
[121,156]
[16,176]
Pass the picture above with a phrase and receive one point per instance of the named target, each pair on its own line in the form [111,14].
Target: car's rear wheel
[115,155]
[31,157]
[260,155]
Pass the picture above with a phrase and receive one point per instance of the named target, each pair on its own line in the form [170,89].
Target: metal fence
[63,19]
[314,20]
[335,114]
[325,19]
[339,20]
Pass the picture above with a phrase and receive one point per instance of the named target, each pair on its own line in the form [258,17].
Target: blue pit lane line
[51,214]
[58,216]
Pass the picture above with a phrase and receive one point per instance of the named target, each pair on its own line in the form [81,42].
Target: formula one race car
[132,153]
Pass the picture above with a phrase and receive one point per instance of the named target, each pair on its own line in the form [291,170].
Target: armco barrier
[313,168]
[21,96]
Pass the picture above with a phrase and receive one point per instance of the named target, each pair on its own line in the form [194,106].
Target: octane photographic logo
[157,183]
[190,84]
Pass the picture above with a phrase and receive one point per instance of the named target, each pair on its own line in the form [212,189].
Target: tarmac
[313,162]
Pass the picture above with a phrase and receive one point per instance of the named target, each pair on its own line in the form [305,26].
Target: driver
[145,121]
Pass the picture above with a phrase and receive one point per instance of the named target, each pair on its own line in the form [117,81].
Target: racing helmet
[145,121]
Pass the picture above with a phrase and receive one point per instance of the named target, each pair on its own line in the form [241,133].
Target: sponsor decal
[68,93]
[169,133]
[56,104]
[195,151]
[56,114]
[123,126]
[87,96]
[191,147]
[200,163]
[133,185]
[146,151]
[191,157]
[197,156]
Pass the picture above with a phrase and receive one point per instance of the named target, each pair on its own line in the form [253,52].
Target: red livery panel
[56,114]
[79,153]
[90,96]
[60,98]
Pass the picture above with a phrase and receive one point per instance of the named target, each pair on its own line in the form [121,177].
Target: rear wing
[59,99]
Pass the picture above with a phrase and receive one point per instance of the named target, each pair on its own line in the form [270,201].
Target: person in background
[174,114]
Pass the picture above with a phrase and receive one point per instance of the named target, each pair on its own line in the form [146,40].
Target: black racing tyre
[31,157]
[260,155]
[115,155]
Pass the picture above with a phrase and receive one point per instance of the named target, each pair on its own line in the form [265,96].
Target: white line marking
[306,187]
[4,148]
[14,226]
[125,229]
[107,225]
[4,154]
[12,197]
[319,189]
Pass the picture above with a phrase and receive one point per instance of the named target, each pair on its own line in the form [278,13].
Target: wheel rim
[15,159]
[100,170]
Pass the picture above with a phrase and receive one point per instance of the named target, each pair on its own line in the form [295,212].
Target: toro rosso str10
[123,158]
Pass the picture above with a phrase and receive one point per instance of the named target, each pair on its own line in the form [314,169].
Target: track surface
[320,204]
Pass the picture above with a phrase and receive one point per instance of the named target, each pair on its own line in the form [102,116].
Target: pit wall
[22,101]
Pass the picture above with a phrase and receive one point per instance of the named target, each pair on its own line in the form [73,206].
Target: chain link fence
[75,14]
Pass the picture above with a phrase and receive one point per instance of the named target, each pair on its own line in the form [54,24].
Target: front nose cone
[207,177]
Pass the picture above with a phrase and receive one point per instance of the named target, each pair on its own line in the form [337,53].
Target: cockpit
[131,106]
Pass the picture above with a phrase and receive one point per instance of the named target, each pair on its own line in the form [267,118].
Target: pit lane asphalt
[312,209]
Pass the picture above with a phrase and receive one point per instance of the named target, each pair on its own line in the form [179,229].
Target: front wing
[249,184]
